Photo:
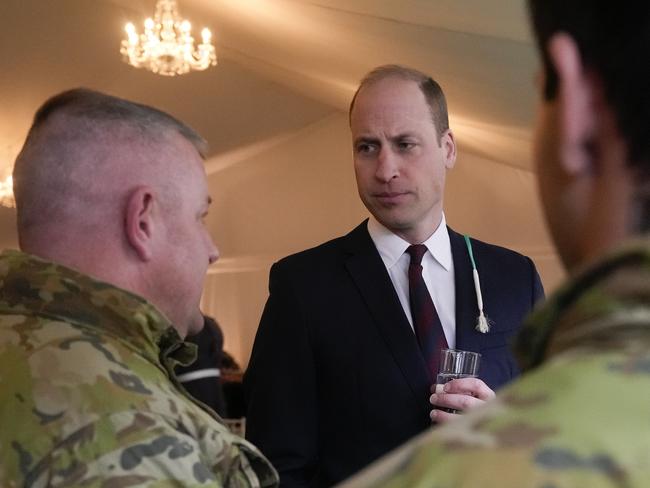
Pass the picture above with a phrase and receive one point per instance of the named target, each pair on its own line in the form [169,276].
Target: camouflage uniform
[579,418]
[88,396]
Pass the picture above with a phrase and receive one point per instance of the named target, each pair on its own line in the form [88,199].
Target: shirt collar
[391,247]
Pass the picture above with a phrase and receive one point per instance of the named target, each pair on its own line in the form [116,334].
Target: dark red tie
[427,325]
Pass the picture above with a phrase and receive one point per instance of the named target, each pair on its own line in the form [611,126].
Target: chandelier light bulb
[167,47]
[6,192]
[131,34]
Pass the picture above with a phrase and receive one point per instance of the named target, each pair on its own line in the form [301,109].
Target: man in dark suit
[341,370]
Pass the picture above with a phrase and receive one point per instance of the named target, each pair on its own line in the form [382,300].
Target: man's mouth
[391,197]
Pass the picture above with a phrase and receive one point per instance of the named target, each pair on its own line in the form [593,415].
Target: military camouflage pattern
[88,396]
[580,418]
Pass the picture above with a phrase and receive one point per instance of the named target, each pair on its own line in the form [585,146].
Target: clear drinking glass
[455,364]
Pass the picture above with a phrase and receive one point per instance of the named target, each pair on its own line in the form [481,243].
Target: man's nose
[387,165]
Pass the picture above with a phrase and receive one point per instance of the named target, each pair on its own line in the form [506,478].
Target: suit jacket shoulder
[321,257]
[493,251]
[497,266]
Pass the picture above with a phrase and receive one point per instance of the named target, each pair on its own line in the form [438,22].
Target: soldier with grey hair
[111,198]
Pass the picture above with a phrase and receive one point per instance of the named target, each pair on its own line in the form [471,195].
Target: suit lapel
[369,274]
[467,338]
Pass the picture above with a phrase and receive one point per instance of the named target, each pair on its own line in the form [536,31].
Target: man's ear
[577,109]
[139,222]
[449,147]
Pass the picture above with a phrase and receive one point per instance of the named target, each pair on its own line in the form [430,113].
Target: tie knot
[416,252]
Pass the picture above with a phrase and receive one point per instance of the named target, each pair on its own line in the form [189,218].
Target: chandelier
[7,192]
[167,47]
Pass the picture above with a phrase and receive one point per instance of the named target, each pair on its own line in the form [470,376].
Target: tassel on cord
[482,322]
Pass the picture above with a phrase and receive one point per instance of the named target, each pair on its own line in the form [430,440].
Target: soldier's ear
[139,222]
[577,90]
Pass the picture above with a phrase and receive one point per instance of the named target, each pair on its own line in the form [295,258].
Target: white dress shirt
[437,271]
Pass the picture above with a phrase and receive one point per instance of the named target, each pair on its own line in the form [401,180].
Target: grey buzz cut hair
[63,133]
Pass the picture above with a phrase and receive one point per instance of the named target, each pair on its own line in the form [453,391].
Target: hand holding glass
[456,364]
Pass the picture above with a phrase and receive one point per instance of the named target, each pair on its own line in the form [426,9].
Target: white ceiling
[283,65]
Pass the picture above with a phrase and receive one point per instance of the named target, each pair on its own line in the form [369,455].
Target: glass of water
[456,364]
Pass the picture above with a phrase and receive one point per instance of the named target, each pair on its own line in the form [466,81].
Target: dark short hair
[431,90]
[614,43]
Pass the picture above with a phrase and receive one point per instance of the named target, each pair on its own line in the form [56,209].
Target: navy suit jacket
[336,378]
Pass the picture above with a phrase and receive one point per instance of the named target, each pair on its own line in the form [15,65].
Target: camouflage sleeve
[137,449]
[428,463]
[502,445]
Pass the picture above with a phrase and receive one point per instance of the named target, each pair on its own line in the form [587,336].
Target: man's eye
[405,145]
[365,148]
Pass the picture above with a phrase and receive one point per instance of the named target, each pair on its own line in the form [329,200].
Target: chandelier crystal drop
[167,47]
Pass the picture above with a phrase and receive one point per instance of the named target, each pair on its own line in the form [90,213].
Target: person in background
[366,315]
[202,378]
[579,416]
[111,198]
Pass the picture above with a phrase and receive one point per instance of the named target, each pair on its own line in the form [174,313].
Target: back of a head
[80,146]
[614,43]
[431,90]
